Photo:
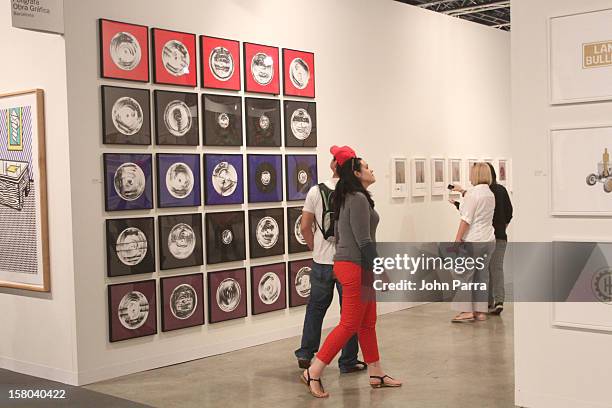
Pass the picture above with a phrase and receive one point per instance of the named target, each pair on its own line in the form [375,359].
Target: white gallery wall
[555,366]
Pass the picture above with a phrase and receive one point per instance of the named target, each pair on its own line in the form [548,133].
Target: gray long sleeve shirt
[355,228]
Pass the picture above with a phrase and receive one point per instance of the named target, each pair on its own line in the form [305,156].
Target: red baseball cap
[342,153]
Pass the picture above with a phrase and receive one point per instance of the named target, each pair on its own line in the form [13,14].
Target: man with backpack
[317,215]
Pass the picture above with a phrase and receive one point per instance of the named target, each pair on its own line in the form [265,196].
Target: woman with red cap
[355,233]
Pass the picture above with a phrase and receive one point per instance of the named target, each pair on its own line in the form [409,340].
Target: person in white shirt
[476,229]
[322,278]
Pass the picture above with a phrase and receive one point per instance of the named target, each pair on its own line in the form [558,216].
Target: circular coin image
[127,116]
[223,120]
[264,122]
[302,282]
[179,180]
[301,124]
[267,232]
[227,237]
[181,241]
[299,73]
[125,51]
[269,288]
[133,310]
[131,246]
[175,58]
[129,181]
[177,118]
[265,177]
[224,179]
[297,231]
[262,68]
[221,63]
[228,295]
[302,176]
[183,301]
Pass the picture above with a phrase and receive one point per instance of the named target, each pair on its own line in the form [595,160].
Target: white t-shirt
[477,210]
[324,250]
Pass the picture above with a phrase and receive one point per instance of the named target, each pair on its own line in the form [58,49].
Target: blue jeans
[322,284]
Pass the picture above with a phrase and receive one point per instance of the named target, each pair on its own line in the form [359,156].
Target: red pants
[357,316]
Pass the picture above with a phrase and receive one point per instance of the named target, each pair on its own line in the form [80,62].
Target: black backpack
[328,220]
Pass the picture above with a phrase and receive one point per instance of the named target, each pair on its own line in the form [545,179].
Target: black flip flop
[358,366]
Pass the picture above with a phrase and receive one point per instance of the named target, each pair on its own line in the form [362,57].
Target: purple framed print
[128,181]
[295,239]
[225,237]
[227,295]
[266,232]
[132,310]
[180,241]
[265,174]
[301,175]
[178,180]
[268,288]
[299,282]
[130,246]
[182,301]
[224,176]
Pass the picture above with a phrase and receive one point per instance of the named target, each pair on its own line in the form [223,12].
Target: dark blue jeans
[322,284]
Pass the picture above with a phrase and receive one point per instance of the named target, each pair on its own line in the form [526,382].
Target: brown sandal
[308,380]
[382,383]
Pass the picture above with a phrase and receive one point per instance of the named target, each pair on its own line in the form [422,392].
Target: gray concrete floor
[442,365]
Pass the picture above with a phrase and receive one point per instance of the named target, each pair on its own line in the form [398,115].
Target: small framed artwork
[300,124]
[438,180]
[132,310]
[298,73]
[128,181]
[261,72]
[268,288]
[502,171]
[124,51]
[419,177]
[176,118]
[455,174]
[299,282]
[180,241]
[469,164]
[225,237]
[296,240]
[263,122]
[399,177]
[178,180]
[301,175]
[223,179]
[126,115]
[227,295]
[182,301]
[130,246]
[266,232]
[222,120]
[175,60]
[265,176]
[220,63]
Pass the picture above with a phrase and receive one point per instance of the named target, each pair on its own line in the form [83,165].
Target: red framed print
[124,51]
[298,73]
[268,288]
[132,310]
[174,61]
[261,69]
[182,299]
[220,63]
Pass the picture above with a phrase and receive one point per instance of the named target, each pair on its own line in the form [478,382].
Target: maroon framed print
[298,73]
[227,295]
[268,283]
[174,61]
[220,63]
[132,310]
[124,51]
[261,70]
[182,299]
[299,282]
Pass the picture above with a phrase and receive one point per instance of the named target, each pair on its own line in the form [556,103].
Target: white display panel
[399,177]
[419,177]
[438,178]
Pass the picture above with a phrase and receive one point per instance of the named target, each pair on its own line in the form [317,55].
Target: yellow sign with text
[597,54]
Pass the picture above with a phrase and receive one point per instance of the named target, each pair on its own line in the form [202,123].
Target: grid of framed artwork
[206,154]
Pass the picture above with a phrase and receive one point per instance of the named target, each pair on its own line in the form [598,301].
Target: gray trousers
[474,301]
[497,292]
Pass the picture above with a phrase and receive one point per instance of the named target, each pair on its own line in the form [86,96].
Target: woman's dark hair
[348,184]
[493,175]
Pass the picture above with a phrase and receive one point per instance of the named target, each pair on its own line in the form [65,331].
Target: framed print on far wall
[176,118]
[419,177]
[132,310]
[182,301]
[225,237]
[300,124]
[502,172]
[298,73]
[130,246]
[263,122]
[178,180]
[174,58]
[261,72]
[265,175]
[469,164]
[301,175]
[299,282]
[128,181]
[224,179]
[220,63]
[126,116]
[455,176]
[268,288]
[266,232]
[399,177]
[438,180]
[180,241]
[296,240]
[24,263]
[124,51]
[227,294]
[222,120]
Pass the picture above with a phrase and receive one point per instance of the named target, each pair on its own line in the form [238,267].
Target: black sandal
[358,366]
[308,380]
[382,383]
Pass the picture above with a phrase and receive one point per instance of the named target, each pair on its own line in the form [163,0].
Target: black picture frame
[300,123]
[180,241]
[222,115]
[227,295]
[126,115]
[123,298]
[174,173]
[266,232]
[182,301]
[299,286]
[295,240]
[225,237]
[130,246]
[263,122]
[176,118]
[268,288]
[138,73]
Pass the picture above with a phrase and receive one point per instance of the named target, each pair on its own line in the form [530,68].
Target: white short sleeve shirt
[324,250]
[477,210]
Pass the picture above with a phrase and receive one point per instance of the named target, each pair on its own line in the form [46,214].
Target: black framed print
[130,246]
[265,178]
[224,177]
[300,124]
[126,115]
[176,118]
[263,122]
[227,295]
[225,237]
[222,120]
[182,301]
[180,241]
[268,288]
[266,232]
[296,240]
